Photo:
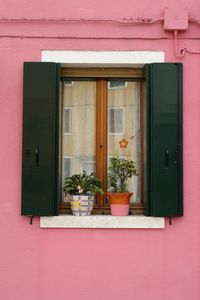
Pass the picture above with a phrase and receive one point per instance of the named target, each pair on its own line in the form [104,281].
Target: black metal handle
[36,156]
[166,157]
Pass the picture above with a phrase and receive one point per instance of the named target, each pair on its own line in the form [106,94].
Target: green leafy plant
[82,183]
[119,172]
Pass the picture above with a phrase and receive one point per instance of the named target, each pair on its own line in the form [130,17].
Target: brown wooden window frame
[102,75]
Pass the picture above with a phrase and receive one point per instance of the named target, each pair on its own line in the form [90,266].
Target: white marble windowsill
[68,221]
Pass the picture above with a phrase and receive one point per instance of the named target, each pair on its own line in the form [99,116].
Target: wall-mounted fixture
[176,21]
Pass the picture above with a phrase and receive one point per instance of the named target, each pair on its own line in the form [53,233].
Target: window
[68,83]
[117,84]
[116,120]
[67,120]
[67,166]
[153,137]
[105,112]
[88,166]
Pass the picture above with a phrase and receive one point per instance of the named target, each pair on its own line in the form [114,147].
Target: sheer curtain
[124,127]
[79,127]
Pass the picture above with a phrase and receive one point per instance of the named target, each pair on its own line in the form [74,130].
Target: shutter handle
[166,157]
[36,156]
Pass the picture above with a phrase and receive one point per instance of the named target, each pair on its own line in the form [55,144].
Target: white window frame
[117,87]
[89,162]
[70,121]
[69,84]
[123,120]
[71,158]
[113,59]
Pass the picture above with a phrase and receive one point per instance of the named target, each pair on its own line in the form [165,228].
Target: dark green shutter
[164,196]
[40,170]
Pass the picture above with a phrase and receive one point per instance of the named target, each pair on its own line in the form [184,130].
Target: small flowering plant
[82,184]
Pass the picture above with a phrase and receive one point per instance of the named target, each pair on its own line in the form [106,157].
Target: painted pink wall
[49,264]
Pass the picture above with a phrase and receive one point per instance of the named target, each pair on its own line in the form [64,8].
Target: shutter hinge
[170,220]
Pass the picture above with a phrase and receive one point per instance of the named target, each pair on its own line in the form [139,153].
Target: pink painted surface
[119,209]
[49,264]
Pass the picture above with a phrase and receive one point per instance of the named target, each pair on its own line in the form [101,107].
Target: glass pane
[124,128]
[79,127]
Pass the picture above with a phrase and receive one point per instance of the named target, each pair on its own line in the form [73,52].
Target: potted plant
[118,174]
[82,189]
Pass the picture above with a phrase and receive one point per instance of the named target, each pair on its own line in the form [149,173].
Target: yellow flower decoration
[76,204]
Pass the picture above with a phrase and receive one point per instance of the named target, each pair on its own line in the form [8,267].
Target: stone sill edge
[68,221]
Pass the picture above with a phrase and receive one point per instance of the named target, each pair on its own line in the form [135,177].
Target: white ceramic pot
[82,205]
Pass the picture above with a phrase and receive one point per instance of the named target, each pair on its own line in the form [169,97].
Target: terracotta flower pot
[119,203]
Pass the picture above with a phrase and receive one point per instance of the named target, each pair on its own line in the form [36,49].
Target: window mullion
[101,138]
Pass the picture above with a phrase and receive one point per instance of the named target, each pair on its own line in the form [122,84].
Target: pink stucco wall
[49,264]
